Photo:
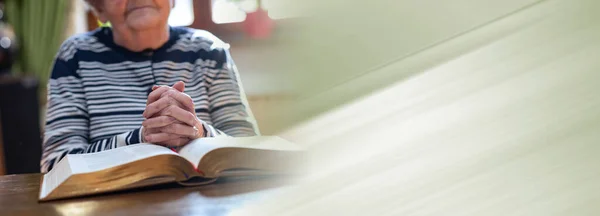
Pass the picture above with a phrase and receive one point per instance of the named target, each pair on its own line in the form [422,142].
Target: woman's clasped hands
[170,117]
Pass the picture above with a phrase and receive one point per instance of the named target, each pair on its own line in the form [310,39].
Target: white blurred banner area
[446,107]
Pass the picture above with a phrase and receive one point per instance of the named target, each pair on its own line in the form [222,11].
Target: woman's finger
[156,92]
[155,95]
[182,130]
[181,115]
[178,141]
[182,98]
[159,105]
[179,86]
[158,122]
[158,138]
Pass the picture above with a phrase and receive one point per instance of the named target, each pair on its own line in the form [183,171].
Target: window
[232,11]
[182,14]
[228,11]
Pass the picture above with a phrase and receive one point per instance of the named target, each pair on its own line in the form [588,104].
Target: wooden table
[19,193]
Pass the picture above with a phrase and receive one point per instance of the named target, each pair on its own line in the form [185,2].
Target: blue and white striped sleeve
[229,109]
[67,118]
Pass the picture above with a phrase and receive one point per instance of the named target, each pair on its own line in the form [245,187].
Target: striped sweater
[97,90]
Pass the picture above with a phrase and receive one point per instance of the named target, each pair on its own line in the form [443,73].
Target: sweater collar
[105,35]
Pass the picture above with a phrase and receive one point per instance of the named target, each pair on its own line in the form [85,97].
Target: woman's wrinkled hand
[170,117]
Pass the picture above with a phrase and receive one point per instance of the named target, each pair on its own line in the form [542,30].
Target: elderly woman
[141,81]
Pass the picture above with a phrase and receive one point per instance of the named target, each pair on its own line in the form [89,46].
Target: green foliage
[40,27]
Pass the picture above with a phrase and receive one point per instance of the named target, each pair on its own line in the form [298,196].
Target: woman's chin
[143,23]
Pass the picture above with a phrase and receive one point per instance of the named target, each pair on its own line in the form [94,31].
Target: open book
[199,162]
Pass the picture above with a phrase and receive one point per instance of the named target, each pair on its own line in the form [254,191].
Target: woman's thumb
[179,86]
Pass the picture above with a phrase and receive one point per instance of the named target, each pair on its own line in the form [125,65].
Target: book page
[194,151]
[92,162]
[55,177]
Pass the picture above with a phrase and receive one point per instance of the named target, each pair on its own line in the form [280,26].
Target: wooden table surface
[19,193]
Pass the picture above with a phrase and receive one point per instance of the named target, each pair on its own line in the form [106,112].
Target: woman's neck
[138,41]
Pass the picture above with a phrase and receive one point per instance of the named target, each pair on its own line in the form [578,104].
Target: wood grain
[19,193]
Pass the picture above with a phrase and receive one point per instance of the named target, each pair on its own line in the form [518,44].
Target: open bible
[200,162]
